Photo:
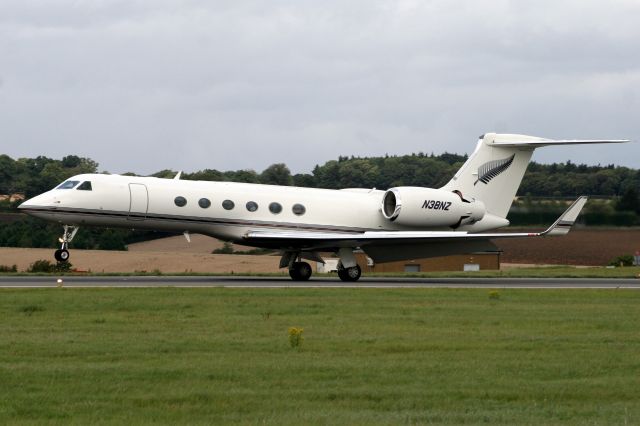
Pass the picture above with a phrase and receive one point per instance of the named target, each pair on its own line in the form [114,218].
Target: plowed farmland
[587,246]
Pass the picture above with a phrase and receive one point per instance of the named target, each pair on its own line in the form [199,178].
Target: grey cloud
[147,85]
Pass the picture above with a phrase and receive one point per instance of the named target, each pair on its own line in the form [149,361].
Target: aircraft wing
[447,241]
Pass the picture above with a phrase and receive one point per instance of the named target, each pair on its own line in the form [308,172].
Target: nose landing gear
[62,254]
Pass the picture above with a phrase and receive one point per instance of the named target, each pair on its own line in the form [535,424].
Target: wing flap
[319,240]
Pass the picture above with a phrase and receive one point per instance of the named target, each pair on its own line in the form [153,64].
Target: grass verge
[410,356]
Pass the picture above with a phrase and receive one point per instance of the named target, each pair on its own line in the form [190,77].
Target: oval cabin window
[204,203]
[228,205]
[275,208]
[252,206]
[298,209]
[180,201]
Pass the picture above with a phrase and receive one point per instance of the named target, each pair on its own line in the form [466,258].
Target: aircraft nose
[26,204]
[41,200]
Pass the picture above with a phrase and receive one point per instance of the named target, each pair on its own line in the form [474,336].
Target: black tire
[300,271]
[342,272]
[64,255]
[293,273]
[57,255]
[350,274]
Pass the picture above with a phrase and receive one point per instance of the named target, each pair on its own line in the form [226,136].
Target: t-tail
[494,171]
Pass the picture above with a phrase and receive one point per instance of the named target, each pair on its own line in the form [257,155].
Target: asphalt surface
[278,282]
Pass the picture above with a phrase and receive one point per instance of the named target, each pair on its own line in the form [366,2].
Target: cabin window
[228,205]
[85,186]
[180,201]
[275,208]
[252,206]
[68,184]
[298,209]
[204,203]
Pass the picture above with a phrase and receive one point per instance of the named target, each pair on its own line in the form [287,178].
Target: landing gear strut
[300,271]
[62,254]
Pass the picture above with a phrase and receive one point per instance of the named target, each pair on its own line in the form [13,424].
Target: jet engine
[428,207]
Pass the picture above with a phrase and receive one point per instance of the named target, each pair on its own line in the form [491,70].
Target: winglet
[563,225]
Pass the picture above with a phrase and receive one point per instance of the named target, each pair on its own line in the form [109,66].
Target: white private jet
[399,223]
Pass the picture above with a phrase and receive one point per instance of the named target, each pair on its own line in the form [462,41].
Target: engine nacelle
[428,207]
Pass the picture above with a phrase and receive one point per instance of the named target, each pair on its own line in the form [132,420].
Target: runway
[284,282]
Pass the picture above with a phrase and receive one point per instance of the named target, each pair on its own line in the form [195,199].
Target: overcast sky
[147,85]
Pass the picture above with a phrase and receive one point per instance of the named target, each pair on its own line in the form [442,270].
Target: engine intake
[428,207]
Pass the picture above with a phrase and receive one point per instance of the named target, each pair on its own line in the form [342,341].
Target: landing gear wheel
[349,274]
[300,271]
[62,255]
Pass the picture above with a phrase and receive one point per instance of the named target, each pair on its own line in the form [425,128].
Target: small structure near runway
[470,262]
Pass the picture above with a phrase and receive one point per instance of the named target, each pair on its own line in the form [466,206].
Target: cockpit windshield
[85,186]
[68,184]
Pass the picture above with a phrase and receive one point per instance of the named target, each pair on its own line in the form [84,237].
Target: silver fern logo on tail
[491,169]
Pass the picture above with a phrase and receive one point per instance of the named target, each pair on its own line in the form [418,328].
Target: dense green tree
[304,180]
[7,173]
[207,174]
[247,176]
[630,201]
[276,174]
[33,176]
[112,239]
[165,174]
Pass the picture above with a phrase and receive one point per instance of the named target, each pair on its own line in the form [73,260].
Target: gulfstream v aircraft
[399,223]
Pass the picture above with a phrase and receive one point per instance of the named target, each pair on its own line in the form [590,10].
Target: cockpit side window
[85,186]
[68,184]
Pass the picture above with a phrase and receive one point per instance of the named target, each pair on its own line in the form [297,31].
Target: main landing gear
[351,274]
[62,254]
[348,268]
[300,271]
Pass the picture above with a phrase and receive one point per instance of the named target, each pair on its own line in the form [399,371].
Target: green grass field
[369,356]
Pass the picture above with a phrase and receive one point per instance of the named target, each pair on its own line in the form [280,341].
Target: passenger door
[139,201]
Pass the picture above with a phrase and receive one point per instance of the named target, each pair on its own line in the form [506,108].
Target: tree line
[32,176]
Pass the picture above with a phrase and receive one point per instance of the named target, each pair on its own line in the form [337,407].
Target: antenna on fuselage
[177,177]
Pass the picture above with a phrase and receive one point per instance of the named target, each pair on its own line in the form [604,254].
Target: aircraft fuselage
[225,210]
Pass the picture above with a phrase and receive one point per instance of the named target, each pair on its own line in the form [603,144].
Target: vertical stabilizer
[493,173]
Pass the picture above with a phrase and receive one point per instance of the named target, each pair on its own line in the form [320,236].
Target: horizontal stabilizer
[551,142]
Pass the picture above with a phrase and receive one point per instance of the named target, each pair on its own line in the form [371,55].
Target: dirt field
[167,255]
[146,261]
[587,246]
[199,244]
[176,255]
